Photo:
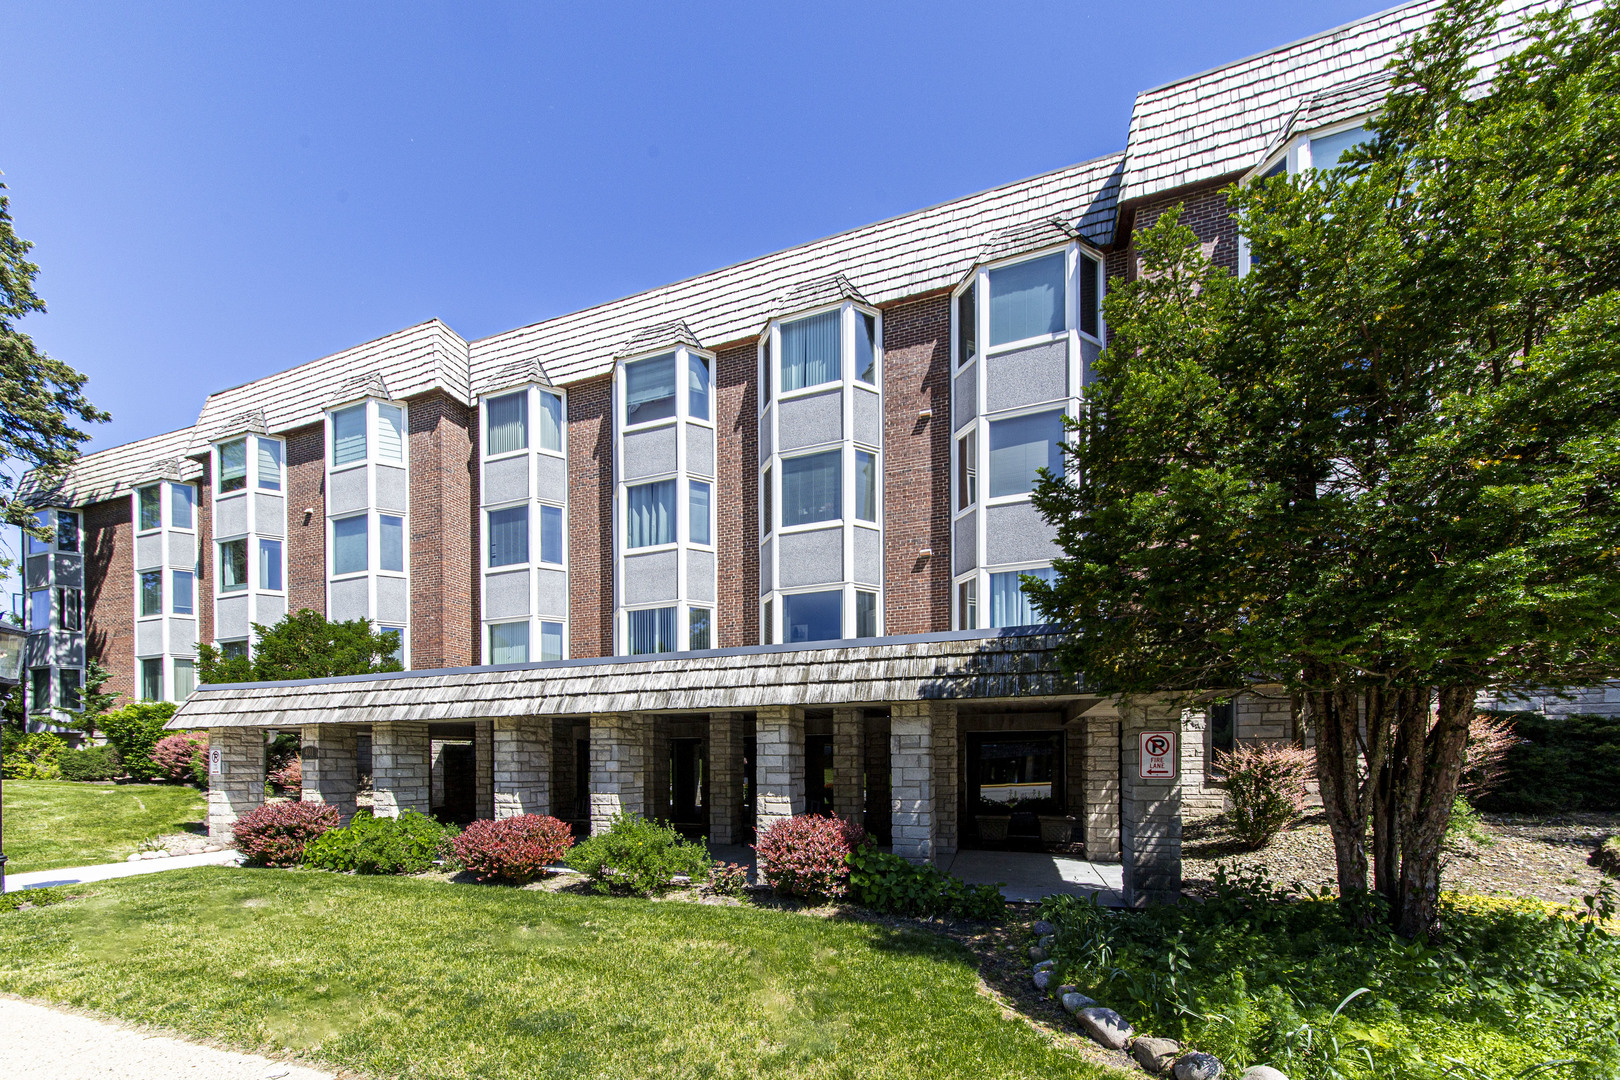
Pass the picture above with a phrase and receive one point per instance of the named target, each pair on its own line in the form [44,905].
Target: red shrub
[289,778]
[1485,760]
[808,855]
[275,833]
[516,849]
[174,754]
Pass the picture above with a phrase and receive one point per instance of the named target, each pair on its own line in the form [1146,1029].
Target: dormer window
[232,466]
[67,531]
[269,464]
[649,390]
[348,435]
[509,423]
[150,500]
[810,352]
[1026,300]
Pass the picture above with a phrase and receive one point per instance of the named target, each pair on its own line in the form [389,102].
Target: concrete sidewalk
[78,875]
[1030,876]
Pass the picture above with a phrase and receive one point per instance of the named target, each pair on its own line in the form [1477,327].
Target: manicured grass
[418,978]
[52,823]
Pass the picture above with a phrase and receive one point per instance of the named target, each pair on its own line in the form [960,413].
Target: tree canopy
[304,645]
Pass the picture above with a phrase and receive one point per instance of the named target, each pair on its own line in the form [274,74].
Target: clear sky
[218,191]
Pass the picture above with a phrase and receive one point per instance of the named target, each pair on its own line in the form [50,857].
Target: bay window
[1027,299]
[698,512]
[866,485]
[812,488]
[152,593]
[698,637]
[697,386]
[1009,604]
[183,505]
[1020,445]
[649,390]
[551,421]
[509,643]
[151,508]
[810,351]
[350,538]
[348,436]
[650,514]
[270,565]
[652,630]
[232,466]
[508,419]
[182,584]
[509,536]
[814,616]
[233,570]
[551,535]
[551,641]
[391,543]
[269,464]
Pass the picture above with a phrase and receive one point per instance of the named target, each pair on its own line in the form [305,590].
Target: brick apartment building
[740,546]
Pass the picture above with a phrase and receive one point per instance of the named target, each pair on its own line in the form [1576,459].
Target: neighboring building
[818,462]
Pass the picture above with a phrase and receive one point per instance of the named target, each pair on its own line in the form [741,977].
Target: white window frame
[1296,156]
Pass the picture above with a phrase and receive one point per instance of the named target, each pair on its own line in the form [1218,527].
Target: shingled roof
[109,473]
[1000,664]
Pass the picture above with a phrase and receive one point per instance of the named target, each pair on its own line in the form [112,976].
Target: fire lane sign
[1157,760]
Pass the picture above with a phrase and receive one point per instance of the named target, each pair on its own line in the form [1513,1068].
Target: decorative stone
[1047,941]
[1155,1055]
[134,858]
[1037,953]
[1042,979]
[1046,965]
[1043,928]
[1074,1001]
[1067,988]
[1198,1066]
[1105,1025]
[1263,1072]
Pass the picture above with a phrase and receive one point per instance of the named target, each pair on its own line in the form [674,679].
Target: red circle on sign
[1158,744]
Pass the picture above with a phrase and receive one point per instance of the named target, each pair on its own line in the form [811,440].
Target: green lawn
[418,978]
[52,823]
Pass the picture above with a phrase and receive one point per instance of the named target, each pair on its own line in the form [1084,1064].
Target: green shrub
[638,857]
[135,730]
[1558,765]
[889,884]
[33,757]
[90,764]
[408,844]
[1465,824]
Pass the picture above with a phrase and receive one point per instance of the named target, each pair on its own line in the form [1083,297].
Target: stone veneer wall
[1101,782]
[725,777]
[618,767]
[911,773]
[330,757]
[1150,810]
[239,786]
[849,766]
[521,768]
[399,768]
[778,765]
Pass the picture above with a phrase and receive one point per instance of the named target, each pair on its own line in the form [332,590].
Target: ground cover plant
[408,844]
[52,823]
[638,857]
[408,977]
[1321,989]
[891,885]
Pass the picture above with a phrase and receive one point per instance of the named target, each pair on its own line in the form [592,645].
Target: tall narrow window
[270,565]
[810,351]
[67,682]
[652,631]
[185,678]
[817,616]
[765,376]
[349,435]
[39,609]
[765,500]
[509,643]
[37,546]
[182,507]
[152,679]
[152,592]
[698,512]
[649,390]
[1019,446]
[967,470]
[1026,299]
[770,624]
[1090,296]
[151,501]
[698,635]
[508,423]
[551,535]
[390,433]
[509,536]
[232,466]
[183,585]
[551,641]
[967,604]
[269,464]
[349,543]
[812,488]
[39,698]
[233,572]
[551,421]
[866,614]
[967,308]
[70,609]
[397,633]
[67,531]
[1009,605]
[697,386]
[866,473]
[391,543]
[651,514]
[866,348]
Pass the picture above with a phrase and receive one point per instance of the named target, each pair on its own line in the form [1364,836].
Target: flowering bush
[728,879]
[275,834]
[516,849]
[808,855]
[289,778]
[638,856]
[173,755]
[1485,760]
[1266,782]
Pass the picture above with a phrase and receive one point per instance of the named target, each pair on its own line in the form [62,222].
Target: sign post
[1157,760]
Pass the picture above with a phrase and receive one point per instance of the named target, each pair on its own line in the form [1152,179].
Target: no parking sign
[1157,760]
[216,761]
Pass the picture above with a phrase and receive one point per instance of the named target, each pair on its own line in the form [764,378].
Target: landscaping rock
[1067,988]
[1263,1072]
[1155,1055]
[1074,1001]
[1047,941]
[1043,928]
[1198,1066]
[134,858]
[1105,1025]
[1046,965]
[1042,979]
[1037,953]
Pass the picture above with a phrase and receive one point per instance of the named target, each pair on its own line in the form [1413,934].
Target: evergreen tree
[304,645]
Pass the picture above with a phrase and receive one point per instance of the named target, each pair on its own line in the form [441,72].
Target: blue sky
[219,191]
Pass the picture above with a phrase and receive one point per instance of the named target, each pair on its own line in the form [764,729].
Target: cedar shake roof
[109,473]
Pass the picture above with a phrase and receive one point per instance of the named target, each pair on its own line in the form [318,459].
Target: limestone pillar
[779,765]
[911,780]
[520,766]
[331,766]
[849,764]
[945,779]
[1101,783]
[618,767]
[484,768]
[658,767]
[1150,809]
[235,777]
[725,777]
[399,768]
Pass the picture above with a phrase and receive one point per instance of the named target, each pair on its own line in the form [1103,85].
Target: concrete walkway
[1029,876]
[78,875]
[46,1044]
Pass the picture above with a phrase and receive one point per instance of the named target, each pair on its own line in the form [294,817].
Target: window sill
[1005,347]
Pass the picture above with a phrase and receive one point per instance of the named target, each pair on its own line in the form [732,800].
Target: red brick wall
[444,569]
[306,534]
[736,496]
[590,518]
[917,466]
[109,591]
[1206,212]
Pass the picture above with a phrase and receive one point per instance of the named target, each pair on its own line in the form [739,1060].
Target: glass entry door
[1017,775]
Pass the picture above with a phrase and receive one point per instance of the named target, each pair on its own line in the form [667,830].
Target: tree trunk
[1338,770]
[1384,726]
[1430,762]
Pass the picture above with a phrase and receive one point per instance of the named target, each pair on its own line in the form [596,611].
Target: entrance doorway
[1014,778]
[818,774]
[458,765]
[686,776]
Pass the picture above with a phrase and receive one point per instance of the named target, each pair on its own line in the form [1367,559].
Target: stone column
[945,779]
[618,767]
[849,764]
[1100,781]
[520,766]
[484,768]
[779,768]
[1150,810]
[725,777]
[331,766]
[238,785]
[658,767]
[399,768]
[911,783]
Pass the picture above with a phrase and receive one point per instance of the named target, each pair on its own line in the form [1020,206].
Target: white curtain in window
[551,641]
[390,433]
[349,554]
[810,352]
[269,464]
[185,679]
[1026,299]
[550,421]
[1009,606]
[349,435]
[508,423]
[651,514]
[509,643]
[652,631]
[1020,445]
[649,389]
[812,488]
[509,536]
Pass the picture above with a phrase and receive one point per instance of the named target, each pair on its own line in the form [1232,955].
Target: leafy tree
[1382,467]
[304,645]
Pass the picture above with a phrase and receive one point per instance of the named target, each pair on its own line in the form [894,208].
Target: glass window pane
[817,616]
[184,592]
[1026,299]
[551,535]
[349,435]
[698,512]
[649,389]
[652,631]
[866,614]
[967,605]
[39,609]
[509,643]
[509,536]
[698,637]
[866,348]
[1090,295]
[182,506]
[185,679]
[967,470]
[551,641]
[551,421]
[233,650]
[151,500]
[40,699]
[765,376]
[270,565]
[812,488]
[1019,446]
[967,312]
[390,543]
[349,555]
[152,680]
[651,514]
[865,485]
[233,565]
[390,433]
[397,653]
[770,624]
[697,386]
[70,609]
[1326,151]
[68,685]
[766,496]
[152,592]
[67,531]
[1009,605]
[810,351]
[35,544]
[233,466]
[509,423]
[269,478]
